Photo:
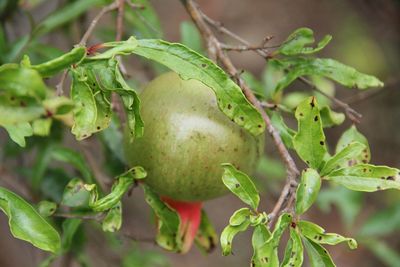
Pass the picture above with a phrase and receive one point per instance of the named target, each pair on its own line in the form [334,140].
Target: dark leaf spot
[316,118]
[321,143]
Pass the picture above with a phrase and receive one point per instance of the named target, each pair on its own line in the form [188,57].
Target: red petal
[190,216]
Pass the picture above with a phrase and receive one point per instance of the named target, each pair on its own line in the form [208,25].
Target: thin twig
[95,20]
[96,217]
[353,115]
[215,50]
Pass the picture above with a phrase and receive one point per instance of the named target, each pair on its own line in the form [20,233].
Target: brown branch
[216,52]
[353,115]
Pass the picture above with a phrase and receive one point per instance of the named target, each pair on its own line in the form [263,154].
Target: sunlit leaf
[52,67]
[308,190]
[260,235]
[332,69]
[18,132]
[168,221]
[318,235]
[297,43]
[191,65]
[366,177]
[46,208]
[331,118]
[343,157]
[295,251]
[267,254]
[353,135]
[26,223]
[113,220]
[241,185]
[228,234]
[309,142]
[240,216]
[75,194]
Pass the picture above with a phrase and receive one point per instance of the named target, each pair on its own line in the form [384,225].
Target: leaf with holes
[260,236]
[241,185]
[353,135]
[331,118]
[308,190]
[318,235]
[309,142]
[332,69]
[267,254]
[229,233]
[367,177]
[297,43]
[343,157]
[168,221]
[191,65]
[294,252]
[113,220]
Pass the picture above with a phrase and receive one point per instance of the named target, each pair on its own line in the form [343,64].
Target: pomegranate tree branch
[217,53]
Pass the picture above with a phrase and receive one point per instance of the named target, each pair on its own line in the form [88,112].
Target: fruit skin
[186,138]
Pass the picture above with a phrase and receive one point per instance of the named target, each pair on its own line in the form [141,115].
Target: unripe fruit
[186,139]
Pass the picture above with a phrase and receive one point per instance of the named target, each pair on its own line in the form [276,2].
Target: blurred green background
[366,35]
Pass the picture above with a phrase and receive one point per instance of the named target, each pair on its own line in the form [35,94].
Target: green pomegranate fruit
[186,139]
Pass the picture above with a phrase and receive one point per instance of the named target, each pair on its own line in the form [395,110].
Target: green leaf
[18,132]
[294,251]
[191,37]
[131,103]
[317,255]
[206,237]
[16,110]
[309,142]
[255,85]
[64,15]
[22,81]
[75,194]
[331,118]
[26,223]
[382,223]
[318,235]
[228,234]
[296,43]
[52,67]
[343,157]
[241,185]
[332,69]
[119,188]
[367,178]
[46,208]
[168,224]
[260,236]
[267,254]
[353,135]
[85,112]
[113,220]
[240,216]
[308,190]
[284,131]
[117,48]
[191,65]
[41,127]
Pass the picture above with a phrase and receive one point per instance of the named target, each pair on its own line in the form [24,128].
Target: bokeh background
[366,35]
